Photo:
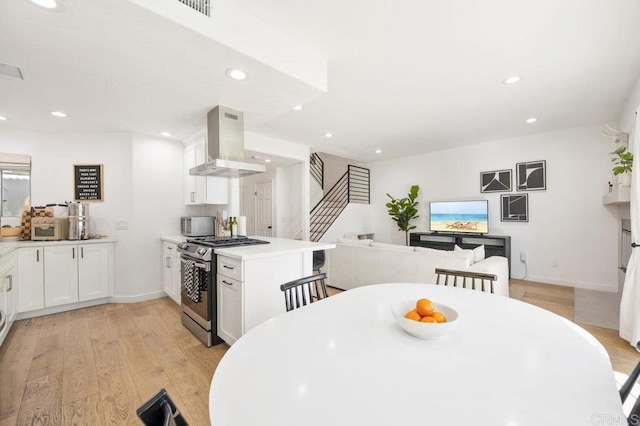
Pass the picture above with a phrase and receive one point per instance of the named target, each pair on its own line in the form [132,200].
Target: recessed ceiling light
[48,4]
[530,120]
[378,151]
[236,74]
[167,134]
[297,108]
[511,80]
[3,118]
[58,114]
[328,135]
[266,160]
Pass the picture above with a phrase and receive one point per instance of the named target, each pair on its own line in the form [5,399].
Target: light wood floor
[95,366]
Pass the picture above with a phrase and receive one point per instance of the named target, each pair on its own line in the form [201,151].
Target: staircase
[316,168]
[352,187]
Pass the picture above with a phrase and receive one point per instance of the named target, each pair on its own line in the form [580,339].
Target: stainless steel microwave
[197,226]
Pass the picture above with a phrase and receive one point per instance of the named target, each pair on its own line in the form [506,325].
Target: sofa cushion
[467,255]
[392,247]
[354,242]
[478,252]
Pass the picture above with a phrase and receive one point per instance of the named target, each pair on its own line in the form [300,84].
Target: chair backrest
[465,279]
[625,390]
[160,410]
[303,291]
[319,259]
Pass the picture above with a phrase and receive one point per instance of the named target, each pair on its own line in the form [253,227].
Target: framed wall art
[88,182]
[514,208]
[495,181]
[531,176]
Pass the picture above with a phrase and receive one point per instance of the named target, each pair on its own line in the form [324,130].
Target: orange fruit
[439,317]
[424,307]
[412,315]
[428,319]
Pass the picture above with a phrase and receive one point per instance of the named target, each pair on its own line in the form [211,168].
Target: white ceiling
[405,77]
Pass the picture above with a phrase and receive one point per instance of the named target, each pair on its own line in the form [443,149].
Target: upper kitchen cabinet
[202,189]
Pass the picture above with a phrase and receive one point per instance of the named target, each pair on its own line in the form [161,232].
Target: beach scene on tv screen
[459,216]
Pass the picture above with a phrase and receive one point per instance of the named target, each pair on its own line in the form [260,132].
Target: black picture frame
[531,176]
[514,208]
[496,181]
[88,182]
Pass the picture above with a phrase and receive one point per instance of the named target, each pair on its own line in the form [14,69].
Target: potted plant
[623,165]
[403,210]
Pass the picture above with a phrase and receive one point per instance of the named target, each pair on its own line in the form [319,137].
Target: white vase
[624,179]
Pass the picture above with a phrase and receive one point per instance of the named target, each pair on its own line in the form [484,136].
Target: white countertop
[7,246]
[177,239]
[345,360]
[277,246]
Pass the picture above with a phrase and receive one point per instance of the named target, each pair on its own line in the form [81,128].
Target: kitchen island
[249,277]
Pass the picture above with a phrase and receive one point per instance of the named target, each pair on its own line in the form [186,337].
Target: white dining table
[345,361]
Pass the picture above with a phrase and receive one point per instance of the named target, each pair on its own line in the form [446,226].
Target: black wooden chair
[160,411]
[464,279]
[633,417]
[319,259]
[305,290]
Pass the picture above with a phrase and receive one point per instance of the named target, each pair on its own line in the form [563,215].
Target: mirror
[16,187]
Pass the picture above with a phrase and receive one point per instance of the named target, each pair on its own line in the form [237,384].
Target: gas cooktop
[217,242]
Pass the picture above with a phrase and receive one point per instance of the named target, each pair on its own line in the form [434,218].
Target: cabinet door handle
[228,267]
[73,252]
[169,263]
[37,255]
[10,282]
[227,283]
[82,252]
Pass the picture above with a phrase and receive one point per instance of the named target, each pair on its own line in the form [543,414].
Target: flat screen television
[459,216]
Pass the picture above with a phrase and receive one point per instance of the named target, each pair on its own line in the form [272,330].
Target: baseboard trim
[574,284]
[62,308]
[138,297]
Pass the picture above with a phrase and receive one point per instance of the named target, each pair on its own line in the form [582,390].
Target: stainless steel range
[198,272]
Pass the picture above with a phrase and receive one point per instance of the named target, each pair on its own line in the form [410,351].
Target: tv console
[494,245]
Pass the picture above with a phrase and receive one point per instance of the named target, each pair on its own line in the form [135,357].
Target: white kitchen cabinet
[171,271]
[31,274]
[8,289]
[60,275]
[230,296]
[94,271]
[202,189]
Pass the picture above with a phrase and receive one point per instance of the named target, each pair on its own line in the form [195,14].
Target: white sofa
[354,263]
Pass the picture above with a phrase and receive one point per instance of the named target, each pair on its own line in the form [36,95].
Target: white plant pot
[624,180]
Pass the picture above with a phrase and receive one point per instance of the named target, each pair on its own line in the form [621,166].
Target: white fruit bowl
[425,330]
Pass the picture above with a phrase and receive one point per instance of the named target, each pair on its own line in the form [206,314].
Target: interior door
[264,209]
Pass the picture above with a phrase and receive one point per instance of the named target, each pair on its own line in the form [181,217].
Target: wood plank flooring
[95,366]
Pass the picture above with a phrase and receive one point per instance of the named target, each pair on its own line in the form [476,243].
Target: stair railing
[316,167]
[352,187]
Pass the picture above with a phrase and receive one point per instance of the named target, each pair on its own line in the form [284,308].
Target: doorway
[264,208]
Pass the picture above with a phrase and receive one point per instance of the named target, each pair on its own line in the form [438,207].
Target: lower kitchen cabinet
[8,289]
[171,271]
[62,274]
[229,309]
[31,273]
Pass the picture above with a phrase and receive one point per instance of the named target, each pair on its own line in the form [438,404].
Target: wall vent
[11,71]
[202,6]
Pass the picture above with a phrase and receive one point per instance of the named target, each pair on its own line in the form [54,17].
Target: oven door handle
[200,265]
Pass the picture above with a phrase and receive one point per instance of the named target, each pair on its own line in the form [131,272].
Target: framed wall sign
[495,181]
[88,184]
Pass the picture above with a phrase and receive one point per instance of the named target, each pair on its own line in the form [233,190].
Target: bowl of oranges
[425,319]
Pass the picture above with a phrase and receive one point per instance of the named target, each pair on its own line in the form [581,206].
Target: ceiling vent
[202,6]
[11,71]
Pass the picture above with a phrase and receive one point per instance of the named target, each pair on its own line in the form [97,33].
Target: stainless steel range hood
[225,146]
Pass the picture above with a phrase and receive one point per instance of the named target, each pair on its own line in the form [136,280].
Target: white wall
[568,223]
[334,168]
[355,218]
[142,186]
[289,201]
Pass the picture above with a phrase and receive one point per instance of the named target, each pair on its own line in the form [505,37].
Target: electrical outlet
[122,225]
[523,256]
